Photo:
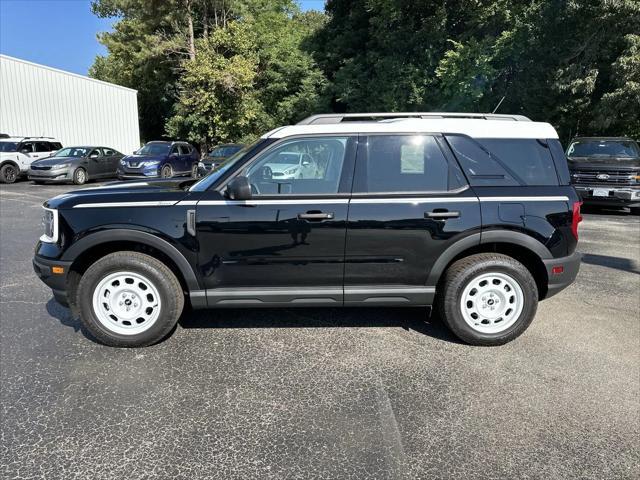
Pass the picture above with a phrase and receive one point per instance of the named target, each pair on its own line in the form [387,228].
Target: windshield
[225,151]
[154,149]
[8,146]
[285,158]
[604,148]
[72,152]
[205,182]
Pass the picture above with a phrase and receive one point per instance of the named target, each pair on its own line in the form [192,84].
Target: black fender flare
[491,236]
[121,234]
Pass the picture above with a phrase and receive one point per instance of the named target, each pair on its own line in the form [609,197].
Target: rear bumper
[56,282]
[617,196]
[559,281]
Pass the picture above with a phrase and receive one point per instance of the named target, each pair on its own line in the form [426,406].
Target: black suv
[606,171]
[472,213]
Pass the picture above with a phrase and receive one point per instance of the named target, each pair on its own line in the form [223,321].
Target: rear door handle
[315,216]
[441,214]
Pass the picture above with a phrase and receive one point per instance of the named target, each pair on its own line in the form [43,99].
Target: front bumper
[559,281]
[61,175]
[56,282]
[138,172]
[616,196]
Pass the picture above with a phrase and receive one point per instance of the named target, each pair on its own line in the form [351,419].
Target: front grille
[603,177]
[35,167]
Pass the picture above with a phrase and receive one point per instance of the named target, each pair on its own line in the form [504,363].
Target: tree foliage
[222,70]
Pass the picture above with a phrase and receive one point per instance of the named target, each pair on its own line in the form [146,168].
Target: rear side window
[528,158]
[184,150]
[478,164]
[43,147]
[401,163]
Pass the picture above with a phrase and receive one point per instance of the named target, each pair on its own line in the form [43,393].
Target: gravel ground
[323,393]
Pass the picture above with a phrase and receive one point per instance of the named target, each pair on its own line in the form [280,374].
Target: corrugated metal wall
[40,101]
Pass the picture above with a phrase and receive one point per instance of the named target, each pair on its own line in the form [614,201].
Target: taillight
[576,219]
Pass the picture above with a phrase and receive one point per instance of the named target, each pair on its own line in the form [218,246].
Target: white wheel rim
[80,176]
[492,302]
[126,303]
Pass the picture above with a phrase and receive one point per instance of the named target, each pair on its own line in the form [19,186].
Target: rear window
[505,161]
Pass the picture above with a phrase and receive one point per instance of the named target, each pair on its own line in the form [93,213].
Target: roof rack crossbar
[330,118]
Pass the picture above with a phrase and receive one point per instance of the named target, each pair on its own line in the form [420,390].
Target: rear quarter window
[530,159]
[505,161]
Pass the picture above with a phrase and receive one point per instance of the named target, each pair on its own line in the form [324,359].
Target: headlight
[150,163]
[61,165]
[50,225]
[291,171]
[123,163]
[200,165]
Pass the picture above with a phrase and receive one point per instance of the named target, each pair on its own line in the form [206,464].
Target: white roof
[471,127]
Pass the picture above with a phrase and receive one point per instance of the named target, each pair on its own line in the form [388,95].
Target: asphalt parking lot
[323,393]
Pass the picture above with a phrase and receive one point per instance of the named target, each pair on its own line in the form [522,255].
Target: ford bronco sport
[471,213]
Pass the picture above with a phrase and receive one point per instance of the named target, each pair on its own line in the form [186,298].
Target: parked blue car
[160,159]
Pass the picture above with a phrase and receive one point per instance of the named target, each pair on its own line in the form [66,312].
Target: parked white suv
[17,153]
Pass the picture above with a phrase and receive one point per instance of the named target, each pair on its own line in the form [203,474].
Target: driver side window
[304,166]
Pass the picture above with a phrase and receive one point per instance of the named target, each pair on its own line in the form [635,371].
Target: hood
[143,158]
[166,191]
[599,163]
[50,161]
[281,167]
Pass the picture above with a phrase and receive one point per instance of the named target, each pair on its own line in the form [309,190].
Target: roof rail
[329,118]
[52,138]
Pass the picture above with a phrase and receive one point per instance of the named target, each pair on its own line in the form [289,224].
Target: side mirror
[26,151]
[93,155]
[239,189]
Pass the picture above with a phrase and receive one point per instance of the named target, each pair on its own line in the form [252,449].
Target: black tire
[462,273]
[80,176]
[635,210]
[166,171]
[162,279]
[9,173]
[194,170]
[38,182]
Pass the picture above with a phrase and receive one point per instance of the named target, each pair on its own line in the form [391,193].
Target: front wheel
[488,299]
[129,299]
[8,173]
[80,176]
[166,172]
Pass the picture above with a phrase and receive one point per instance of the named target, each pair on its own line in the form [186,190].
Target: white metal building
[41,101]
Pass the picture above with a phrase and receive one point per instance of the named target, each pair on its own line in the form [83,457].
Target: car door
[111,161]
[410,203]
[187,161]
[286,244]
[41,150]
[175,159]
[95,163]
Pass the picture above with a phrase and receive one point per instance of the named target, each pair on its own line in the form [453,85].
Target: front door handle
[441,214]
[315,216]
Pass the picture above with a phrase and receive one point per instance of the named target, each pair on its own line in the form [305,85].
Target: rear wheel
[8,173]
[194,170]
[488,299]
[166,172]
[80,176]
[129,299]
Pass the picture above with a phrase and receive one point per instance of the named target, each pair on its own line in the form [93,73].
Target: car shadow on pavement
[618,263]
[416,319]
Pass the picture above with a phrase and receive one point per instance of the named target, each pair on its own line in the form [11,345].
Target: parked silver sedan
[76,165]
